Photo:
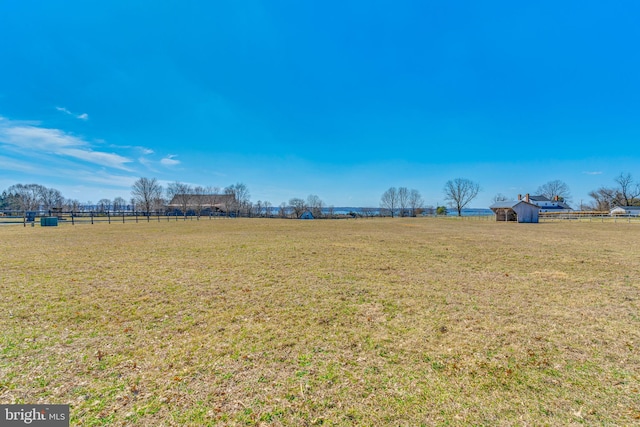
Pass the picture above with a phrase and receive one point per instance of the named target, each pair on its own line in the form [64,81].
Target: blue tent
[306,215]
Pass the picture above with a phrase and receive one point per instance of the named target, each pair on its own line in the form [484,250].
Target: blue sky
[338,99]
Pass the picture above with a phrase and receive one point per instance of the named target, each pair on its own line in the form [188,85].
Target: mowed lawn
[334,322]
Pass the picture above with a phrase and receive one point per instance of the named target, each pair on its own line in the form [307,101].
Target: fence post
[109,217]
[91,217]
[24,218]
[123,217]
[72,220]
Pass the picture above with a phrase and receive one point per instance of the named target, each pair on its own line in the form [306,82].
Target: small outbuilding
[517,211]
[625,211]
[306,215]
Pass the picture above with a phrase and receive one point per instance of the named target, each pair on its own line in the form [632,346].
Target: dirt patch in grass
[365,322]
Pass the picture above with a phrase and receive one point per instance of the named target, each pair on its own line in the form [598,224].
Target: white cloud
[592,173]
[9,164]
[83,116]
[47,141]
[170,160]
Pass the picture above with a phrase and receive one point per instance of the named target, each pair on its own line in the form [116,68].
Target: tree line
[148,195]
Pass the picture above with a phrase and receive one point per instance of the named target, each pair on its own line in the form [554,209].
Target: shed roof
[627,208]
[510,204]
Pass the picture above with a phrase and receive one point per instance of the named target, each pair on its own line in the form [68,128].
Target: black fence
[49,218]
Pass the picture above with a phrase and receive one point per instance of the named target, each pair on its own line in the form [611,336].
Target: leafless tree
[628,191]
[282,210]
[403,201]
[459,192]
[240,194]
[103,205]
[199,199]
[27,197]
[315,204]
[389,200]
[181,194]
[267,208]
[603,198]
[415,202]
[212,197]
[119,204]
[257,208]
[147,193]
[72,205]
[330,211]
[555,188]
[499,198]
[298,206]
[50,198]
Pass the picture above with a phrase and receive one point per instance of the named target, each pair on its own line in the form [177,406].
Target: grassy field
[350,322]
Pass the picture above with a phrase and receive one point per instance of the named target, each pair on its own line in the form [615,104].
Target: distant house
[202,203]
[546,205]
[522,211]
[625,211]
[306,215]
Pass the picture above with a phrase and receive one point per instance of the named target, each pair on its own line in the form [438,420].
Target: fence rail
[32,218]
[92,217]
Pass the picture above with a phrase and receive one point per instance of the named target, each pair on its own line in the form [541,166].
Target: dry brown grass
[359,322]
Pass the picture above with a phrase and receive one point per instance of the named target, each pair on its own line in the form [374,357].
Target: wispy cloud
[83,116]
[593,173]
[46,141]
[170,160]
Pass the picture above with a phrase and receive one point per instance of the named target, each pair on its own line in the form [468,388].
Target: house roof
[510,204]
[539,199]
[627,208]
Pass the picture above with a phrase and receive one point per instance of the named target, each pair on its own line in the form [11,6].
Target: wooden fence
[73,218]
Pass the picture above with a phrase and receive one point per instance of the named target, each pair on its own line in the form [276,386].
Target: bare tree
[415,202]
[459,192]
[212,197]
[499,198]
[27,197]
[602,199]
[315,204]
[104,205]
[147,193]
[72,205]
[50,198]
[258,208]
[389,200]
[119,204]
[628,191]
[240,194]
[403,201]
[282,210]
[368,212]
[199,199]
[181,194]
[330,211]
[555,188]
[298,206]
[267,208]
